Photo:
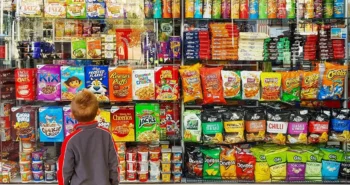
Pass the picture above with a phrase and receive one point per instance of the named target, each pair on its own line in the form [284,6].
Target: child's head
[84,106]
[73,82]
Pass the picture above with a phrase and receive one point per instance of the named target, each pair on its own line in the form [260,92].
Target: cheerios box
[123,123]
[96,81]
[147,122]
[69,121]
[51,124]
[104,118]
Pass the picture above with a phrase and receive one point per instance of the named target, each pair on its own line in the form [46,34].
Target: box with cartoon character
[72,81]
[69,122]
[104,118]
[51,124]
[96,80]
[23,123]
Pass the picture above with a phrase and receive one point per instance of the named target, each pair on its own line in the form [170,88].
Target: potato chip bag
[290,86]
[211,165]
[191,83]
[332,154]
[309,85]
[255,125]
[234,126]
[250,85]
[333,82]
[192,126]
[277,124]
[262,172]
[270,86]
[231,81]
[212,85]
[245,165]
[340,125]
[277,163]
[318,128]
[296,156]
[212,127]
[297,127]
[194,161]
[227,163]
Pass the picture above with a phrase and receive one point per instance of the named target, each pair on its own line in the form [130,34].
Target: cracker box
[122,123]
[49,82]
[104,119]
[69,122]
[72,81]
[147,122]
[120,84]
[96,10]
[167,83]
[55,10]
[51,124]
[25,83]
[78,47]
[143,84]
[94,47]
[169,120]
[76,9]
[96,81]
[23,123]
[31,8]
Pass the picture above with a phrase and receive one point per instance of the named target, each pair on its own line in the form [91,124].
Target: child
[88,155]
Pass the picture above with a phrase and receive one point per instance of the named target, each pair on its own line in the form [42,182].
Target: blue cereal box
[96,81]
[51,124]
[68,122]
[72,81]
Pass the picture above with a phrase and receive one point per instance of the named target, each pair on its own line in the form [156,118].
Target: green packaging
[216,10]
[78,48]
[211,165]
[147,122]
[263,9]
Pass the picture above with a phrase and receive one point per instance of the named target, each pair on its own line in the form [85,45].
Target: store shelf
[18,180]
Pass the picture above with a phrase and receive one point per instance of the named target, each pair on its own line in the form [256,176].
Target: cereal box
[51,124]
[147,122]
[104,119]
[25,83]
[122,123]
[114,10]
[96,10]
[143,84]
[94,47]
[73,81]
[55,10]
[169,120]
[69,122]
[8,92]
[5,110]
[78,48]
[167,83]
[23,123]
[76,9]
[31,8]
[120,84]
[49,82]
[96,81]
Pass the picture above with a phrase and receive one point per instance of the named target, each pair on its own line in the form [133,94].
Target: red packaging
[318,128]
[244,9]
[131,175]
[131,165]
[170,118]
[131,154]
[143,176]
[123,123]
[212,85]
[167,83]
[281,12]
[25,83]
[245,166]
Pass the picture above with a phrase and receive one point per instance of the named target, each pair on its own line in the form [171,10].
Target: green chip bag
[277,162]
[192,126]
[314,156]
[231,81]
[259,153]
[313,171]
[211,165]
[291,86]
[296,156]
[332,154]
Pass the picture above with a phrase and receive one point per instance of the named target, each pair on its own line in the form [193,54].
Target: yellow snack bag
[228,163]
[191,83]
[270,86]
[262,172]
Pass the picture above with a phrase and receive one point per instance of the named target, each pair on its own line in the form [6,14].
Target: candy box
[49,82]
[51,124]
[96,10]
[69,122]
[122,123]
[147,122]
[120,83]
[25,83]
[55,10]
[104,119]
[143,84]
[73,81]
[76,9]
[167,83]
[94,47]
[96,81]
[23,122]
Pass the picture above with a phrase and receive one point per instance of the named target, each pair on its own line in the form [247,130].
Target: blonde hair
[84,106]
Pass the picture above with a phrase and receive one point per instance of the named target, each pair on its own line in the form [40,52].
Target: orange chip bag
[333,82]
[228,163]
[212,85]
[309,85]
[191,83]
[270,86]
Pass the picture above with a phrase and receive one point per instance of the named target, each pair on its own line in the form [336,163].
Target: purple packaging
[226,9]
[175,47]
[296,171]
[297,133]
[69,122]
[49,82]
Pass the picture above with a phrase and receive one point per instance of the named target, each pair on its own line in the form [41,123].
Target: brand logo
[313,158]
[277,159]
[23,117]
[244,166]
[192,124]
[291,81]
[120,79]
[48,77]
[275,117]
[336,73]
[297,158]
[319,118]
[332,156]
[298,119]
[166,74]
[227,164]
[255,117]
[147,121]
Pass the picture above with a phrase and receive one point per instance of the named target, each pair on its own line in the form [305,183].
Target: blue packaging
[72,81]
[157,9]
[191,46]
[339,9]
[196,50]
[51,124]
[96,10]
[191,33]
[198,9]
[330,170]
[254,9]
[96,81]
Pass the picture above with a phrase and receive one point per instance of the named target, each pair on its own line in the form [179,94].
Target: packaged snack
[309,85]
[296,156]
[344,171]
[122,123]
[270,86]
[296,171]
[211,165]
[277,161]
[227,163]
[212,127]
[332,154]
[255,125]
[96,81]
[69,122]
[51,124]
[49,82]
[194,161]
[340,125]
[330,170]
[332,82]
[318,128]
[290,86]
[147,122]
[167,83]
[166,155]
[262,172]
[234,126]
[169,120]
[24,122]
[120,84]
[78,48]
[298,127]
[191,83]
[251,85]
[55,10]
[96,10]
[231,81]
[25,83]
[313,171]
[114,10]
[143,84]
[277,124]
[192,126]
[73,81]
[31,9]
[245,165]
[104,119]
[94,47]
[76,9]
[212,85]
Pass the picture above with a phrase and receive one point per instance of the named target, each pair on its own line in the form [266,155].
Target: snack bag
[309,85]
[212,127]
[245,165]
[277,124]
[231,81]
[340,125]
[211,165]
[330,170]
[96,81]
[296,165]
[123,123]
[143,84]
[234,126]
[270,86]
[192,126]
[298,127]
[94,47]
[167,83]
[251,85]
[72,81]
[345,166]
[333,82]
[332,154]
[120,83]
[277,162]
[49,82]
[76,9]
[255,125]
[194,162]
[51,124]
[212,85]
[313,165]
[228,163]
[191,83]
[69,122]
[318,128]
[290,86]
[262,172]
[147,122]
[104,119]
[78,48]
